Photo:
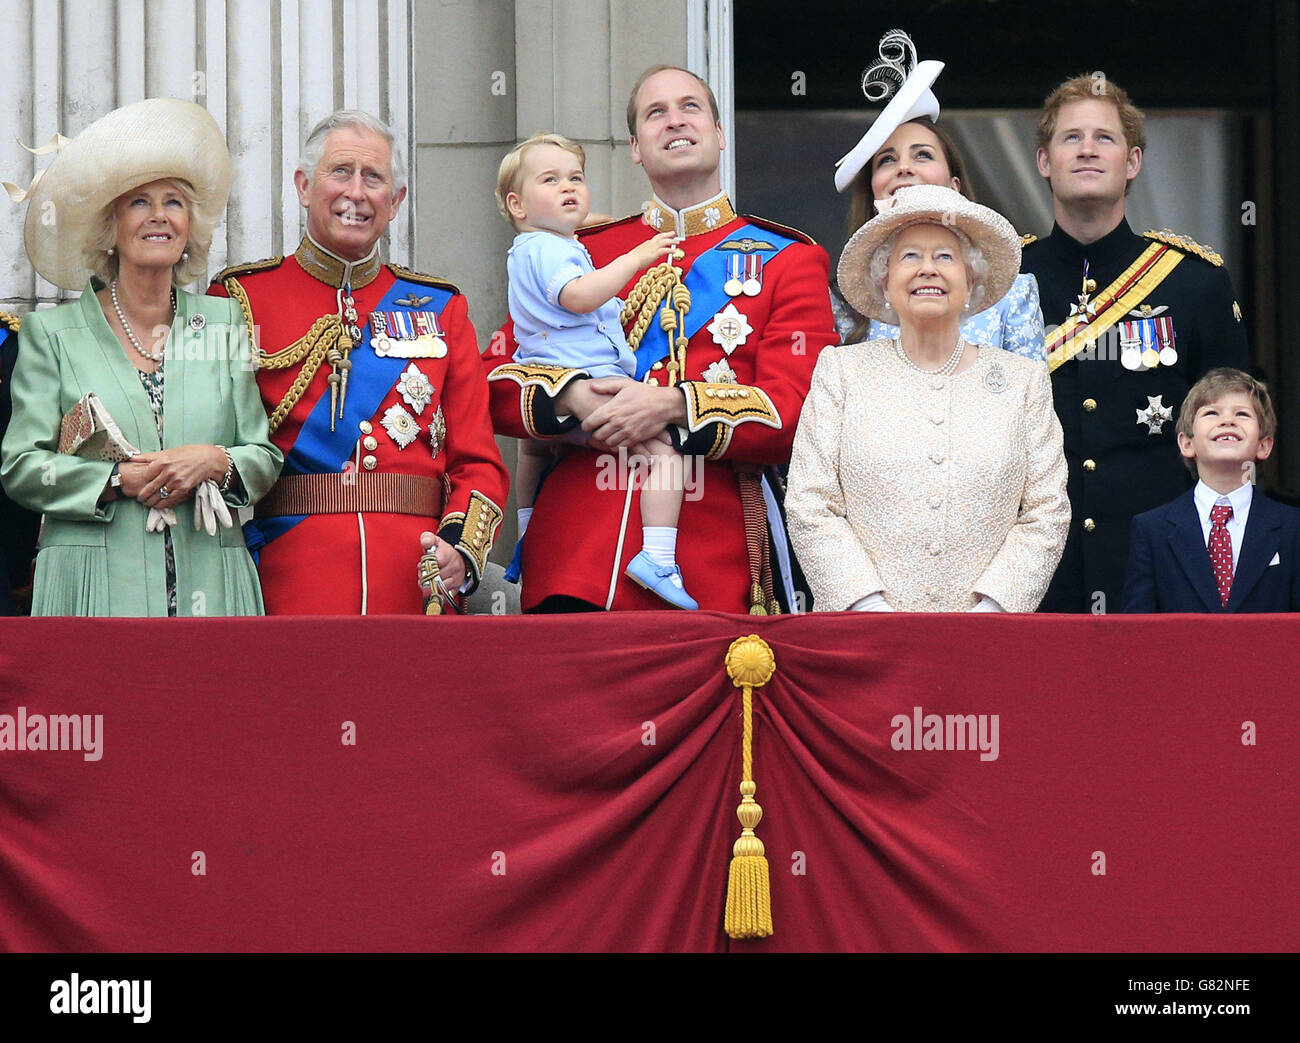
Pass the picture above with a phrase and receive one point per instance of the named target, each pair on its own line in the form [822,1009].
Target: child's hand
[653,251]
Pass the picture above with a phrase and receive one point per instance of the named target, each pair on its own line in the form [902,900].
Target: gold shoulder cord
[325,338]
[241,295]
[311,350]
[661,284]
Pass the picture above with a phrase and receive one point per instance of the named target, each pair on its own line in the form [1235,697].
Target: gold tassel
[750,664]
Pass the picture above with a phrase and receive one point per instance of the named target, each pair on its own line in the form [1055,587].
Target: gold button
[369,463]
[1089,404]
[1090,465]
[657,365]
[370,442]
[366,427]
[1089,525]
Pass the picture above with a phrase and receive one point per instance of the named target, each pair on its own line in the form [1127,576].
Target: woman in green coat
[134,199]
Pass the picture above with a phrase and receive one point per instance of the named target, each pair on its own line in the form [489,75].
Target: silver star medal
[415,388]
[400,425]
[437,431]
[1155,415]
[720,372]
[730,328]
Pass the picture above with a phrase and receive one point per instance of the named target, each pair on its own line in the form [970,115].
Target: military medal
[753,284]
[430,333]
[720,372]
[379,339]
[730,329]
[1156,414]
[1150,357]
[437,431]
[735,269]
[1085,309]
[1129,339]
[415,388]
[400,425]
[407,335]
[1165,337]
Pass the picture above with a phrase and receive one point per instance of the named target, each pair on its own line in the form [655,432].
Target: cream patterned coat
[930,490]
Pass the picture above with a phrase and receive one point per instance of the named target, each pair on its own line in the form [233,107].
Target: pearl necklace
[946,370]
[130,333]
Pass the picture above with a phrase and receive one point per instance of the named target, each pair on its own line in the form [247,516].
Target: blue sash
[704,280]
[317,449]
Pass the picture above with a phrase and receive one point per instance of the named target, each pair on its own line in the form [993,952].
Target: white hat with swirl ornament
[898,76]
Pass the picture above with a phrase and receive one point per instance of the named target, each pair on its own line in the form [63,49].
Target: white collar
[1205,498]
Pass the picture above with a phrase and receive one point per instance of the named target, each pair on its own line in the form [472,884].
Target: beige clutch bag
[88,430]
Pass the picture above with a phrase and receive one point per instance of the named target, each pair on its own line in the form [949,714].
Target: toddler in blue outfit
[566,313]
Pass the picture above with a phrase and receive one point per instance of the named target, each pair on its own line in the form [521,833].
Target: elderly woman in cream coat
[125,213]
[927,473]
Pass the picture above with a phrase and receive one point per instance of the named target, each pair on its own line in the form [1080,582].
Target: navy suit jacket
[1169,566]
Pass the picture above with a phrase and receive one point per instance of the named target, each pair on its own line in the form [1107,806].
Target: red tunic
[345,564]
[585,527]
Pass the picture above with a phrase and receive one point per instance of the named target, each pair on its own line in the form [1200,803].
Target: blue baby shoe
[664,581]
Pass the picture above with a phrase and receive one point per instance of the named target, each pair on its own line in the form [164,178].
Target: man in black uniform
[18,527]
[1132,322]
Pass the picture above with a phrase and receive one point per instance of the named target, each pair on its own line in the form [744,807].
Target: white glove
[986,604]
[159,518]
[210,508]
[871,603]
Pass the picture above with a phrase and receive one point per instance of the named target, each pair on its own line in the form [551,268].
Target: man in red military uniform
[750,311]
[749,303]
[371,378]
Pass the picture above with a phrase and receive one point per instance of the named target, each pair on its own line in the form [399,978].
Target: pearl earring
[112,250]
[185,256]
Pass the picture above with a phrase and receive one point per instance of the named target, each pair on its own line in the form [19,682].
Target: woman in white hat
[905,146]
[126,211]
[927,473]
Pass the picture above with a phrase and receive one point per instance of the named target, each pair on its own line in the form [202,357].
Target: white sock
[660,544]
[524,514]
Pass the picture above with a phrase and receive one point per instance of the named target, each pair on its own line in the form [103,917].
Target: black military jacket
[1119,464]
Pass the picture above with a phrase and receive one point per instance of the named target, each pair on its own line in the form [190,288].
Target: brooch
[995,380]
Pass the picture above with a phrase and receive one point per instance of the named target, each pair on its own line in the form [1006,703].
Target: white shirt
[1239,498]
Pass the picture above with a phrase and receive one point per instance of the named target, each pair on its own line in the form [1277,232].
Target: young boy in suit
[1224,546]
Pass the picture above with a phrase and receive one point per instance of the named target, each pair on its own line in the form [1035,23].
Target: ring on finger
[163,493]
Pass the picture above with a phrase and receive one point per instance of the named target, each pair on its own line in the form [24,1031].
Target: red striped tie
[1220,548]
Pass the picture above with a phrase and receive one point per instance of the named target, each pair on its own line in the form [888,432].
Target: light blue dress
[540,265]
[1015,323]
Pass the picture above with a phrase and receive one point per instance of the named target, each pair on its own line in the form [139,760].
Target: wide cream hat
[131,146]
[988,230]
